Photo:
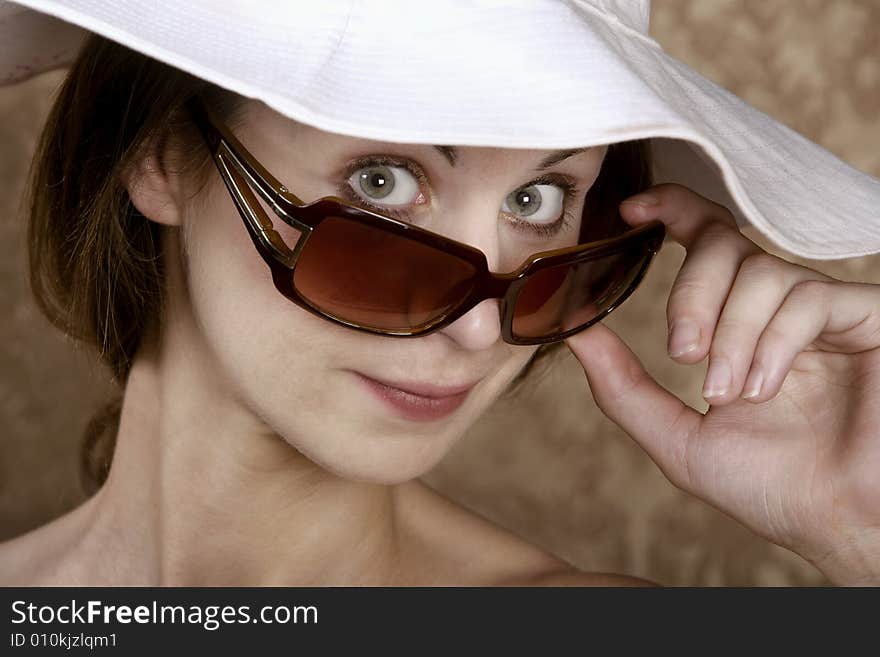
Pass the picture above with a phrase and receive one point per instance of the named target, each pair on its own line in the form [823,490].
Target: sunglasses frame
[242,172]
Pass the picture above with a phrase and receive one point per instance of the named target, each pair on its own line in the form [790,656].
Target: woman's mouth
[418,402]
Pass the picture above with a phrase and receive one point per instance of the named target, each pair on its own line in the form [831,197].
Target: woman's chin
[380,459]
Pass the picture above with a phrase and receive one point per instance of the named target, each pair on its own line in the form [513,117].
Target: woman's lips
[431,404]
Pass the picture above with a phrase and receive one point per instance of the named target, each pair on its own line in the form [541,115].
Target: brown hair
[96,270]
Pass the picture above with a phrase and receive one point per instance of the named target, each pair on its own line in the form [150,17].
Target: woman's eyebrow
[557,156]
[451,154]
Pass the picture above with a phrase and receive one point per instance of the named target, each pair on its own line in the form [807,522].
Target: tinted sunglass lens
[558,299]
[377,279]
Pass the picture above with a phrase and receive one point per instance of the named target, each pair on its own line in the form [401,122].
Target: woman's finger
[701,288]
[837,316]
[715,250]
[762,284]
[684,212]
[655,418]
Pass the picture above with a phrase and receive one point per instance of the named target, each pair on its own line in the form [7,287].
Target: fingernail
[643,199]
[753,384]
[683,337]
[718,378]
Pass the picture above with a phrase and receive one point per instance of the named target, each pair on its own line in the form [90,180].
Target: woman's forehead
[311,141]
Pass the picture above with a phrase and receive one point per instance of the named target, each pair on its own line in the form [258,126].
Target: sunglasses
[375,273]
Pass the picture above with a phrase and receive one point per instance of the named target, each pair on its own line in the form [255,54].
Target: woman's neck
[200,492]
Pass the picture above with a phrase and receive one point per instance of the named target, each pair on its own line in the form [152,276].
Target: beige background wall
[549,466]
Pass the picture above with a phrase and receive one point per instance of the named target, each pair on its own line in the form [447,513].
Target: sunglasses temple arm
[267,240]
[221,145]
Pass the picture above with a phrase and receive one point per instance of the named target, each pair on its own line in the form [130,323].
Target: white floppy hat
[508,73]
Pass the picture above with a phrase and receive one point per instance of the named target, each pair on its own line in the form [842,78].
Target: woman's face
[297,374]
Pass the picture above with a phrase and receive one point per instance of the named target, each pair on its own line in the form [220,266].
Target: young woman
[265,442]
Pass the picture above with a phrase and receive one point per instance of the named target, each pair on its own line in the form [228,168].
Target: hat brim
[586,79]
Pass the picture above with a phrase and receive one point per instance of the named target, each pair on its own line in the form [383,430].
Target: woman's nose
[479,328]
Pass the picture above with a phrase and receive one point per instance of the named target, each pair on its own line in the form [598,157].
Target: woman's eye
[540,204]
[385,184]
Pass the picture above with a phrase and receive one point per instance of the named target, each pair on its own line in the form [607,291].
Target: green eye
[390,184]
[541,204]
[376,182]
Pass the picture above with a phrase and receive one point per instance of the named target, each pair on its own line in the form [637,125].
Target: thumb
[655,418]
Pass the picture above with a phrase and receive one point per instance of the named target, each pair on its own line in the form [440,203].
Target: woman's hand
[790,445]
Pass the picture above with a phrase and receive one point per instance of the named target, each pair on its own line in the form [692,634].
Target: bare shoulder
[454,545]
[23,557]
[43,556]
